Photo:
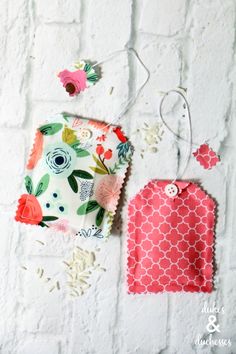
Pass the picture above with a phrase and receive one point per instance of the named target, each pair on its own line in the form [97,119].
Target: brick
[9,283]
[104,289]
[164,63]
[228,319]
[5,250]
[104,33]
[12,165]
[14,81]
[162,17]
[211,57]
[106,100]
[64,11]
[137,323]
[186,313]
[39,346]
[41,309]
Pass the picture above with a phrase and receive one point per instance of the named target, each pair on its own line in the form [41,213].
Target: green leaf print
[100,216]
[50,129]
[29,184]
[81,152]
[42,224]
[50,218]
[73,183]
[82,174]
[88,207]
[99,163]
[42,185]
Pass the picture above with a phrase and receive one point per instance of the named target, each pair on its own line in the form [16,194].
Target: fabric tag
[170,238]
[74,176]
[206,157]
[79,78]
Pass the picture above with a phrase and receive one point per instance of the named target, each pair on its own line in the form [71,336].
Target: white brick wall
[183,43]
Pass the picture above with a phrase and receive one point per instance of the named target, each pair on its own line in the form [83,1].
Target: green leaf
[75,144]
[73,183]
[29,184]
[82,174]
[43,224]
[88,207]
[100,216]
[49,218]
[87,67]
[92,77]
[99,163]
[50,129]
[66,116]
[98,170]
[81,152]
[42,185]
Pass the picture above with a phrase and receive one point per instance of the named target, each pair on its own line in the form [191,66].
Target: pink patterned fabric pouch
[170,238]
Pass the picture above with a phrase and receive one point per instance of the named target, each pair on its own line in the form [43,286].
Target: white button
[85,134]
[171,190]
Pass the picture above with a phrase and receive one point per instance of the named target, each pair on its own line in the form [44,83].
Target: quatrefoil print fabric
[206,157]
[170,239]
[74,176]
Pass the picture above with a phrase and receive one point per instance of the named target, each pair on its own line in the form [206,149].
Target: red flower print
[74,82]
[29,210]
[101,138]
[120,135]
[99,149]
[108,154]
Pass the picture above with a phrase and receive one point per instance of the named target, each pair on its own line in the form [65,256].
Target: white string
[178,137]
[129,103]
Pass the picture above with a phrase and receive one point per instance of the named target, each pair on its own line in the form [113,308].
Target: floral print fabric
[74,176]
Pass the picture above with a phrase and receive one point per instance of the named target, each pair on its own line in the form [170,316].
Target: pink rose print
[108,191]
[74,82]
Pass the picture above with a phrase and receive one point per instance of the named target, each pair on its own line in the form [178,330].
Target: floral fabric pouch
[170,238]
[74,176]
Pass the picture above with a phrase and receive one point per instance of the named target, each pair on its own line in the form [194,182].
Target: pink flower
[61,226]
[108,191]
[74,82]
